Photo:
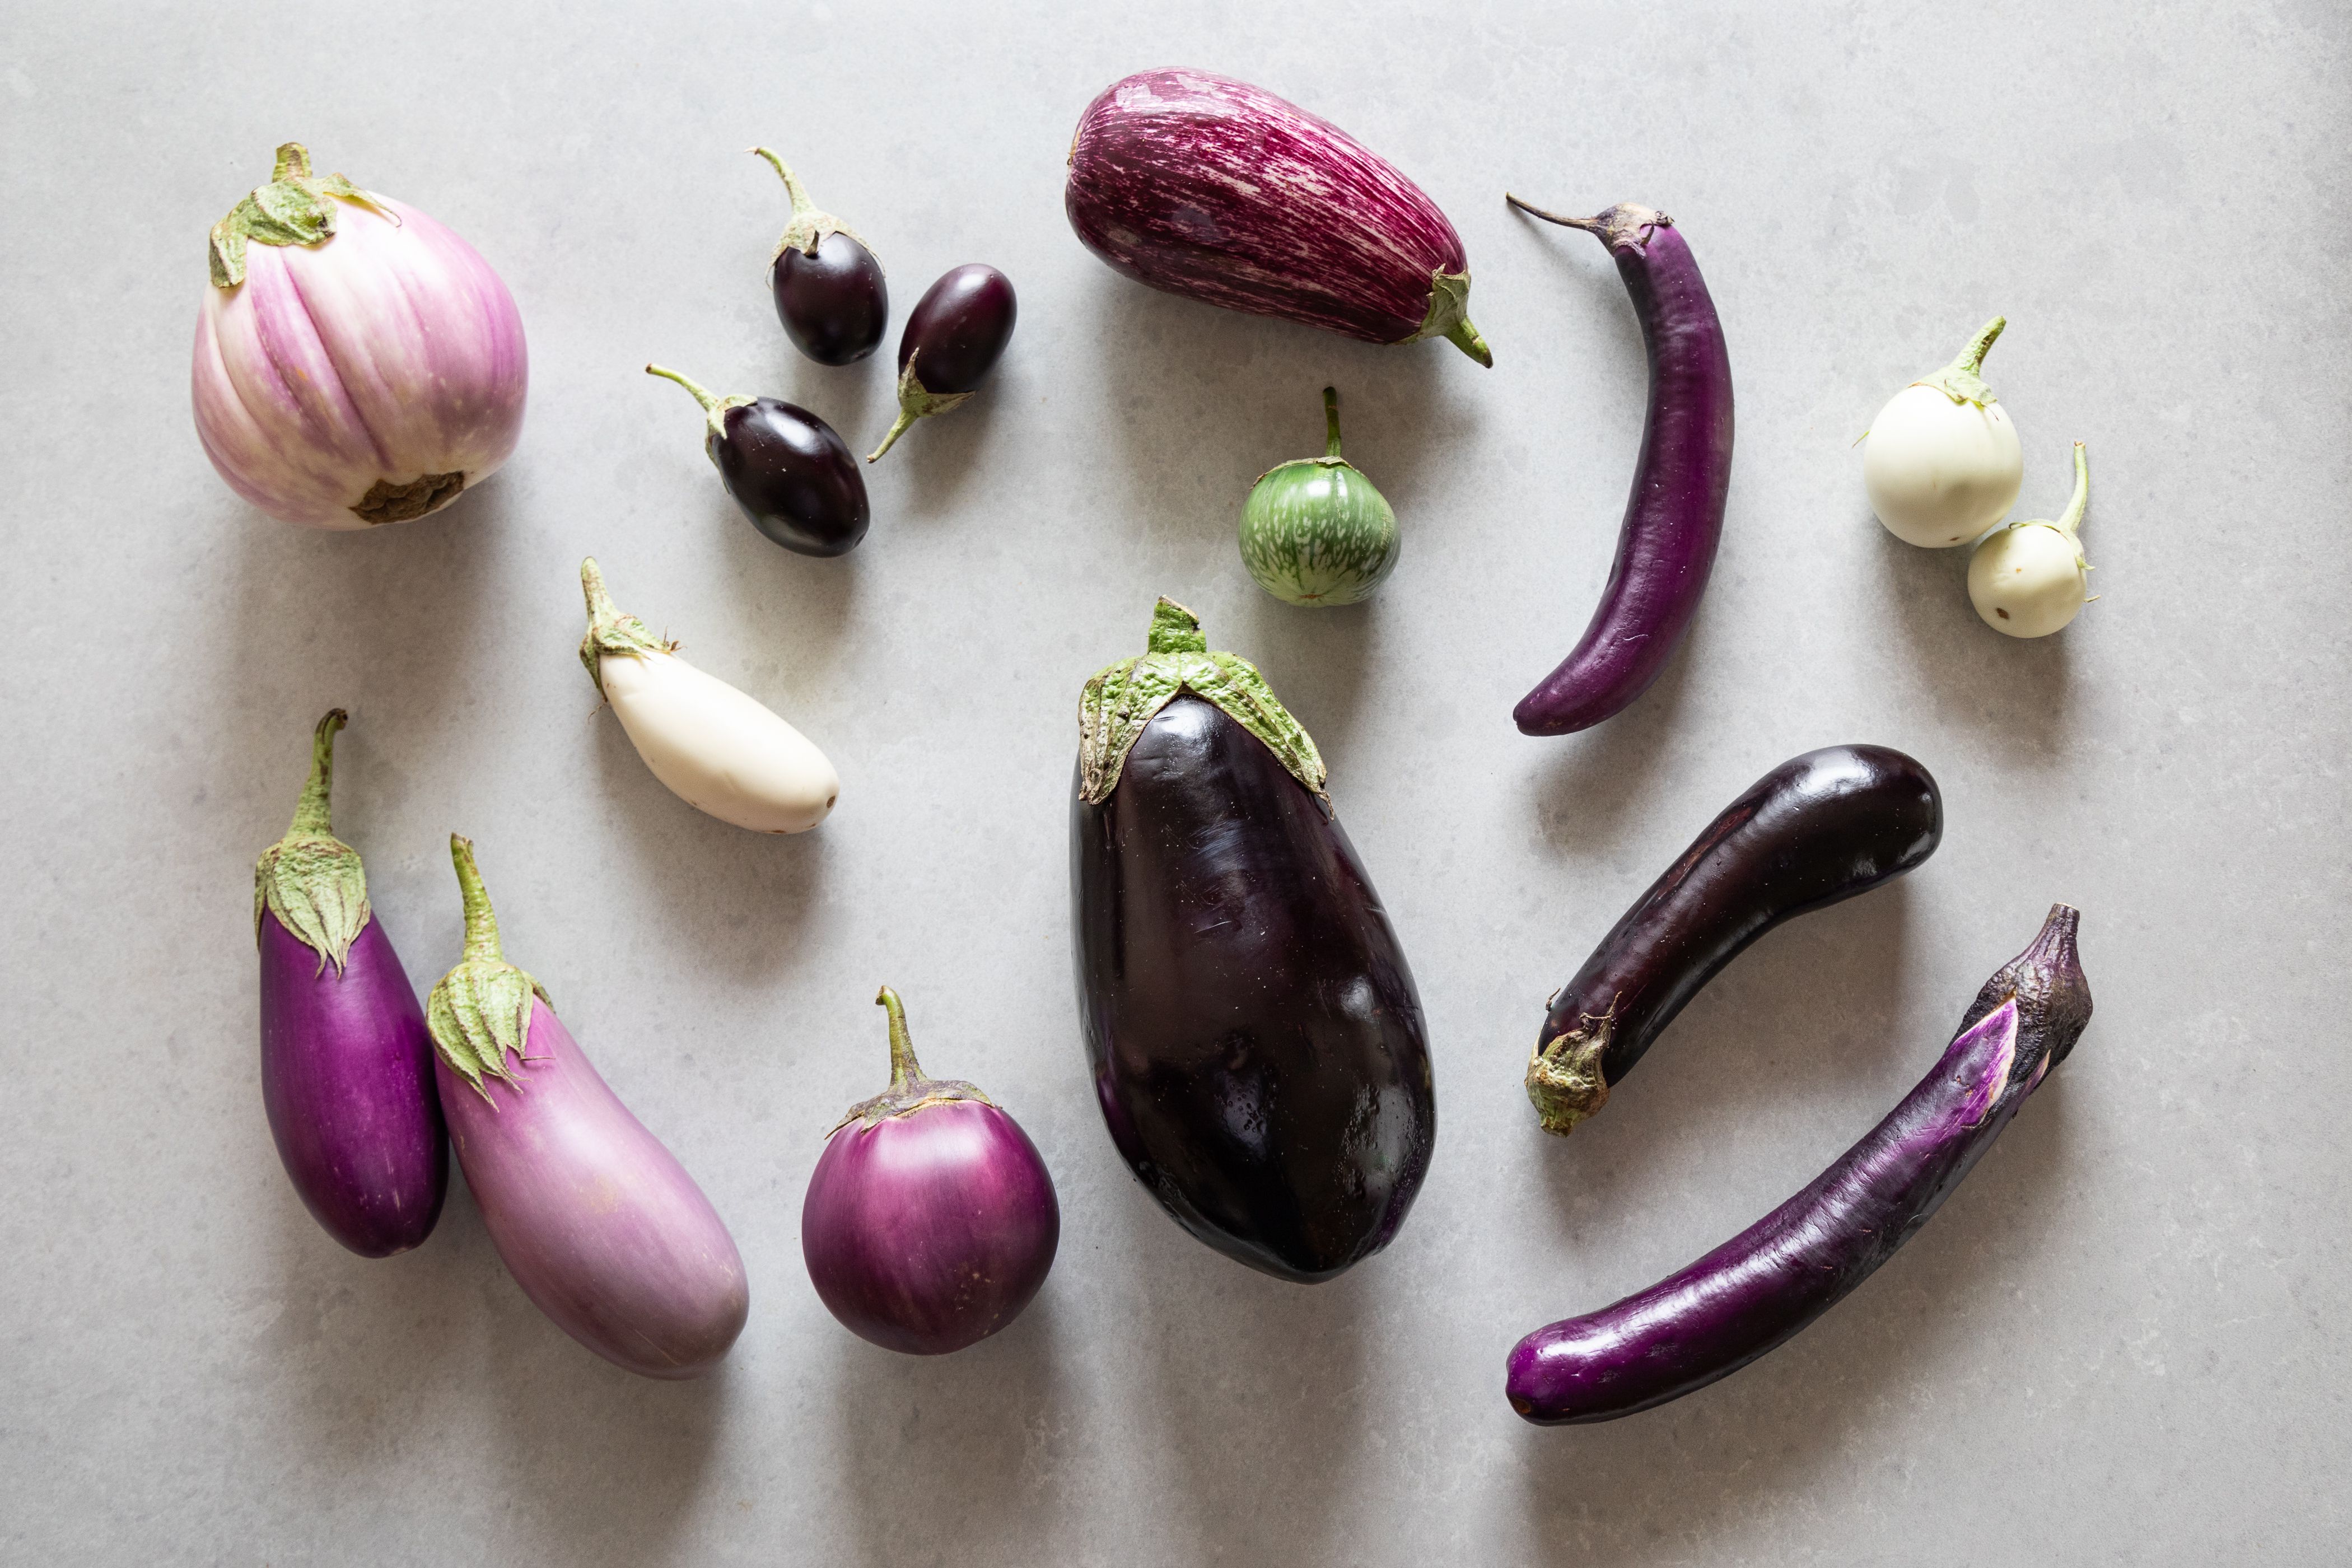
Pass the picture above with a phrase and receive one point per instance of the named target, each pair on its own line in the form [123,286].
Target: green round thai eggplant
[1314,530]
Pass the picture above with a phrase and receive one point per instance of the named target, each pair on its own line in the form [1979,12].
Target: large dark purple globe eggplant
[1257,1046]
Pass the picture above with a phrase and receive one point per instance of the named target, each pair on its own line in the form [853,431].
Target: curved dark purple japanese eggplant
[1759,1289]
[1818,828]
[788,470]
[1256,1043]
[1666,546]
[346,1065]
[953,338]
[829,285]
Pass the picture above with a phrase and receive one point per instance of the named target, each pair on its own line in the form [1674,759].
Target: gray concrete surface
[2115,1344]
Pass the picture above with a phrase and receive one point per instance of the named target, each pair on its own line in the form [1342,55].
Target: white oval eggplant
[1943,463]
[2029,579]
[717,749]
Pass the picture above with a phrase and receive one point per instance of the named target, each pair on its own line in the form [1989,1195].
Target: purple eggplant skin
[597,1222]
[1674,520]
[1817,830]
[789,471]
[1759,1289]
[931,1220]
[953,338]
[1211,189]
[346,1066]
[1257,1046]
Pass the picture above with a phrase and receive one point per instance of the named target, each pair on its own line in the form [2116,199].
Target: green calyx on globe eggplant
[1314,531]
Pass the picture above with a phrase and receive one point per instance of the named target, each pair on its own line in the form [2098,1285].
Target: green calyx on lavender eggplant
[1314,531]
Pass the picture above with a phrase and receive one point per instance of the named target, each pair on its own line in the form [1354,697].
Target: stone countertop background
[2116,1343]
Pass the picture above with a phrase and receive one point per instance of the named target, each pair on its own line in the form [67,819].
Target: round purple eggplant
[829,290]
[1761,1288]
[1211,189]
[788,470]
[346,1066]
[1257,1046]
[597,1222]
[1818,828]
[1673,518]
[954,337]
[930,1221]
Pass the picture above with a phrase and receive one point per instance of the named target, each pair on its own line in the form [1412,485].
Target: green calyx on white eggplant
[1314,531]
[715,748]
[480,1010]
[1942,462]
[1120,698]
[311,879]
[296,207]
[808,225]
[2029,579]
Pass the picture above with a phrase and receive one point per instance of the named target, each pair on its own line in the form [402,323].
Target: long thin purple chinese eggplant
[1666,546]
[1818,828]
[1257,1044]
[346,1066]
[1208,187]
[1759,1289]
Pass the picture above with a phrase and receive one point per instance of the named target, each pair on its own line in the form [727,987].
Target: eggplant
[1762,1287]
[827,283]
[346,1066]
[1211,189]
[1674,518]
[1819,828]
[788,470]
[930,1221]
[952,338]
[597,1222]
[1257,1046]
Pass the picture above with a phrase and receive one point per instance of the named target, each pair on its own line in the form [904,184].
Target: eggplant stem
[2073,522]
[1589,224]
[1330,421]
[905,1070]
[1972,357]
[702,394]
[481,924]
[904,423]
[793,187]
[312,812]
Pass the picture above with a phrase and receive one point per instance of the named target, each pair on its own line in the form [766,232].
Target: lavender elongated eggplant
[1818,828]
[601,1226]
[346,1066]
[930,1221]
[1759,1289]
[1257,1046]
[1674,520]
[1208,187]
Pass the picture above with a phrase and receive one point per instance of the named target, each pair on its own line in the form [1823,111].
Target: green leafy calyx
[1122,698]
[808,225]
[1449,317]
[1564,1081]
[1959,380]
[311,879]
[910,1090]
[610,631]
[296,207]
[480,1011]
[915,402]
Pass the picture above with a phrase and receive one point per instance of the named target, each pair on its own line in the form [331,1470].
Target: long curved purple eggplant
[1257,1046]
[597,1222]
[1208,187]
[346,1067]
[1759,1289]
[1818,828]
[1674,520]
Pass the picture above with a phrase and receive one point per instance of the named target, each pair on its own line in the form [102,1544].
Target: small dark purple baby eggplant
[959,330]
[789,471]
[828,286]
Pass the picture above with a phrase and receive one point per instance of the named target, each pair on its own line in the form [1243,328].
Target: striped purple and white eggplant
[1761,1288]
[1220,192]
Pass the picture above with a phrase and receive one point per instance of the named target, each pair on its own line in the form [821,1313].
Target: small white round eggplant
[2029,579]
[1943,463]
[716,750]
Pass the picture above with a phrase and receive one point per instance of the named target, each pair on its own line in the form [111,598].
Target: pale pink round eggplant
[1219,191]
[346,1065]
[597,1222]
[931,1220]
[356,364]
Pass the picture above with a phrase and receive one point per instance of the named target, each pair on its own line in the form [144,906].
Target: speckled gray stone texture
[2118,1343]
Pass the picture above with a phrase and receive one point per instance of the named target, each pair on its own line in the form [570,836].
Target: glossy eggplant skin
[1257,1044]
[958,328]
[792,476]
[1819,828]
[834,304]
